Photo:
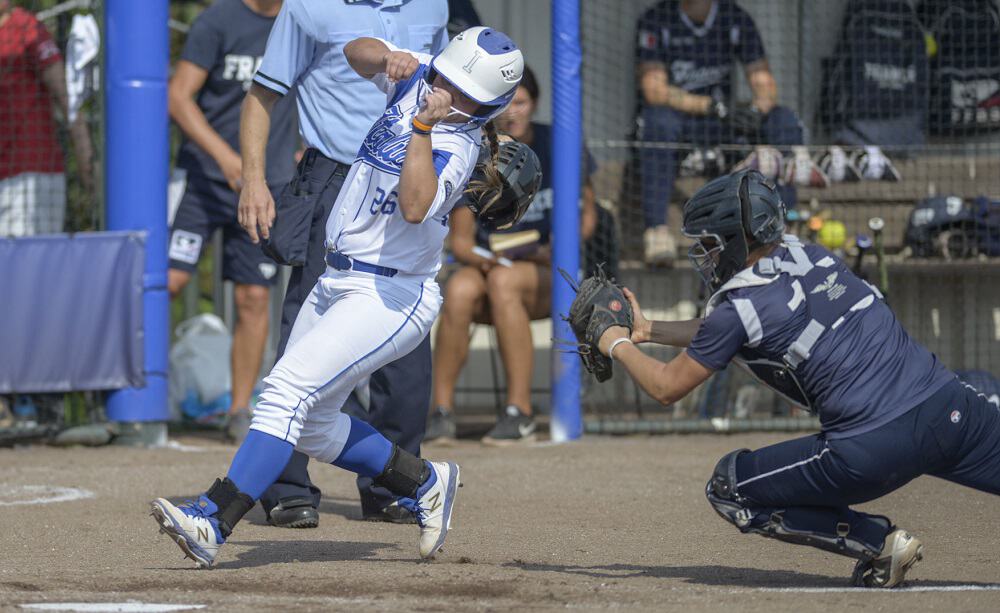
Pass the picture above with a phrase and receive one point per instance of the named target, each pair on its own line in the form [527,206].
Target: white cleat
[435,501]
[901,551]
[194,531]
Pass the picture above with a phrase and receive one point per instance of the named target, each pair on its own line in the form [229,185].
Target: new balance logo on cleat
[433,506]
[189,525]
[434,502]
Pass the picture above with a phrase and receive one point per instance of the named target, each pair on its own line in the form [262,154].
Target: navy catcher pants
[664,125]
[954,435]
[400,391]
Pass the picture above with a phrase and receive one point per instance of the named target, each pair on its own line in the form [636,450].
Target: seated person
[686,50]
[509,297]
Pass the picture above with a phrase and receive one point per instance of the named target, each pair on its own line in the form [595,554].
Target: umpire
[336,107]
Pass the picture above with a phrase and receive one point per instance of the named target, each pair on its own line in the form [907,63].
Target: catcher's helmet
[485,65]
[522,175]
[729,217]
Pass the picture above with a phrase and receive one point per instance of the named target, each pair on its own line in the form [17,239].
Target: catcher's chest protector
[828,292]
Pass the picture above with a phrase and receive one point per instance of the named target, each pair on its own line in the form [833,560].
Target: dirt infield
[608,523]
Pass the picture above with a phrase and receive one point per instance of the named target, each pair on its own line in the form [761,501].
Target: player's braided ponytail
[488,184]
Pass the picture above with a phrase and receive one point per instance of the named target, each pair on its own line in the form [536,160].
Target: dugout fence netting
[51,148]
[896,166]
[50,118]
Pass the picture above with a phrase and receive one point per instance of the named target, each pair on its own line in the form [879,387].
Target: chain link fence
[879,120]
[51,147]
[50,119]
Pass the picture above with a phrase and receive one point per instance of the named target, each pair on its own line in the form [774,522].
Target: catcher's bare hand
[435,107]
[400,65]
[641,327]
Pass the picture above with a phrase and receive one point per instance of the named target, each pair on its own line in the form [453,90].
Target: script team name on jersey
[385,146]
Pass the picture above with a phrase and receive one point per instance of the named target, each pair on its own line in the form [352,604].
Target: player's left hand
[400,65]
[611,335]
[435,107]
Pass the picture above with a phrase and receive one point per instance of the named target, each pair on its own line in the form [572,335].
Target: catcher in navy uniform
[798,319]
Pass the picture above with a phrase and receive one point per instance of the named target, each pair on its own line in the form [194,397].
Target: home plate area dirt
[605,523]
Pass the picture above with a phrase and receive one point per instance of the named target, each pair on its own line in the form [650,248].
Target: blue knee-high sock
[258,462]
[366,452]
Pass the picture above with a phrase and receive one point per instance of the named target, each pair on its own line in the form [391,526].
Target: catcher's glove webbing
[599,305]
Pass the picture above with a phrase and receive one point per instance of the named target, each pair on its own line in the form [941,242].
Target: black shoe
[296,512]
[512,427]
[440,425]
[391,513]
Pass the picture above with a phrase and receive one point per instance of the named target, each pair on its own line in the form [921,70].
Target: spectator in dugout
[509,297]
[220,56]
[32,86]
[686,50]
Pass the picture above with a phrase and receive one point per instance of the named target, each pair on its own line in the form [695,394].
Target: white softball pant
[352,324]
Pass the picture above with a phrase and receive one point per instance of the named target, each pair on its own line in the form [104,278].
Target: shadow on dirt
[715,575]
[263,553]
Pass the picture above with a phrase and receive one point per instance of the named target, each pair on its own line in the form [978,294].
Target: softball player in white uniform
[378,298]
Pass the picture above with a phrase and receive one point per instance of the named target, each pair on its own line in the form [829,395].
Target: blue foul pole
[567,139]
[136,66]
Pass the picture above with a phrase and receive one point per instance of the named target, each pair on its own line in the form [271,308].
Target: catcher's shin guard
[840,531]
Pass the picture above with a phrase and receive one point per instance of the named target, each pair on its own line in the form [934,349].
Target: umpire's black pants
[399,392]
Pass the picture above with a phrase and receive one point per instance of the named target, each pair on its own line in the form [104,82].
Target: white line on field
[11,495]
[125,607]
[915,588]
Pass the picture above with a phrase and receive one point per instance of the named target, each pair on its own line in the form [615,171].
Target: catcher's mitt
[599,304]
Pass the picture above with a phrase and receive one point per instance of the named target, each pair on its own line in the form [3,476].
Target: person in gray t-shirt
[221,54]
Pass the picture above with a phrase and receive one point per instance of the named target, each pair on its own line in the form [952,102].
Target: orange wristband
[420,127]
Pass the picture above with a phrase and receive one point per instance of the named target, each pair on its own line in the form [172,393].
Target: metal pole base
[141,434]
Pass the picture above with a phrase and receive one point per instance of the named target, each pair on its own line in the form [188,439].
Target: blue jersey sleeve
[719,338]
[749,47]
[289,52]
[203,45]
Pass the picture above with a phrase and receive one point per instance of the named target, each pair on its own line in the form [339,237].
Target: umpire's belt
[315,163]
[339,261]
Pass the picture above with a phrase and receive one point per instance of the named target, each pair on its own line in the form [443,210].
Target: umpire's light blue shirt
[305,50]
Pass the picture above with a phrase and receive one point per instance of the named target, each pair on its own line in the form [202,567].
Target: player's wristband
[420,127]
[615,343]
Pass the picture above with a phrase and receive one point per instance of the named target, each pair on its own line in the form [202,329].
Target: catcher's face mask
[704,255]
